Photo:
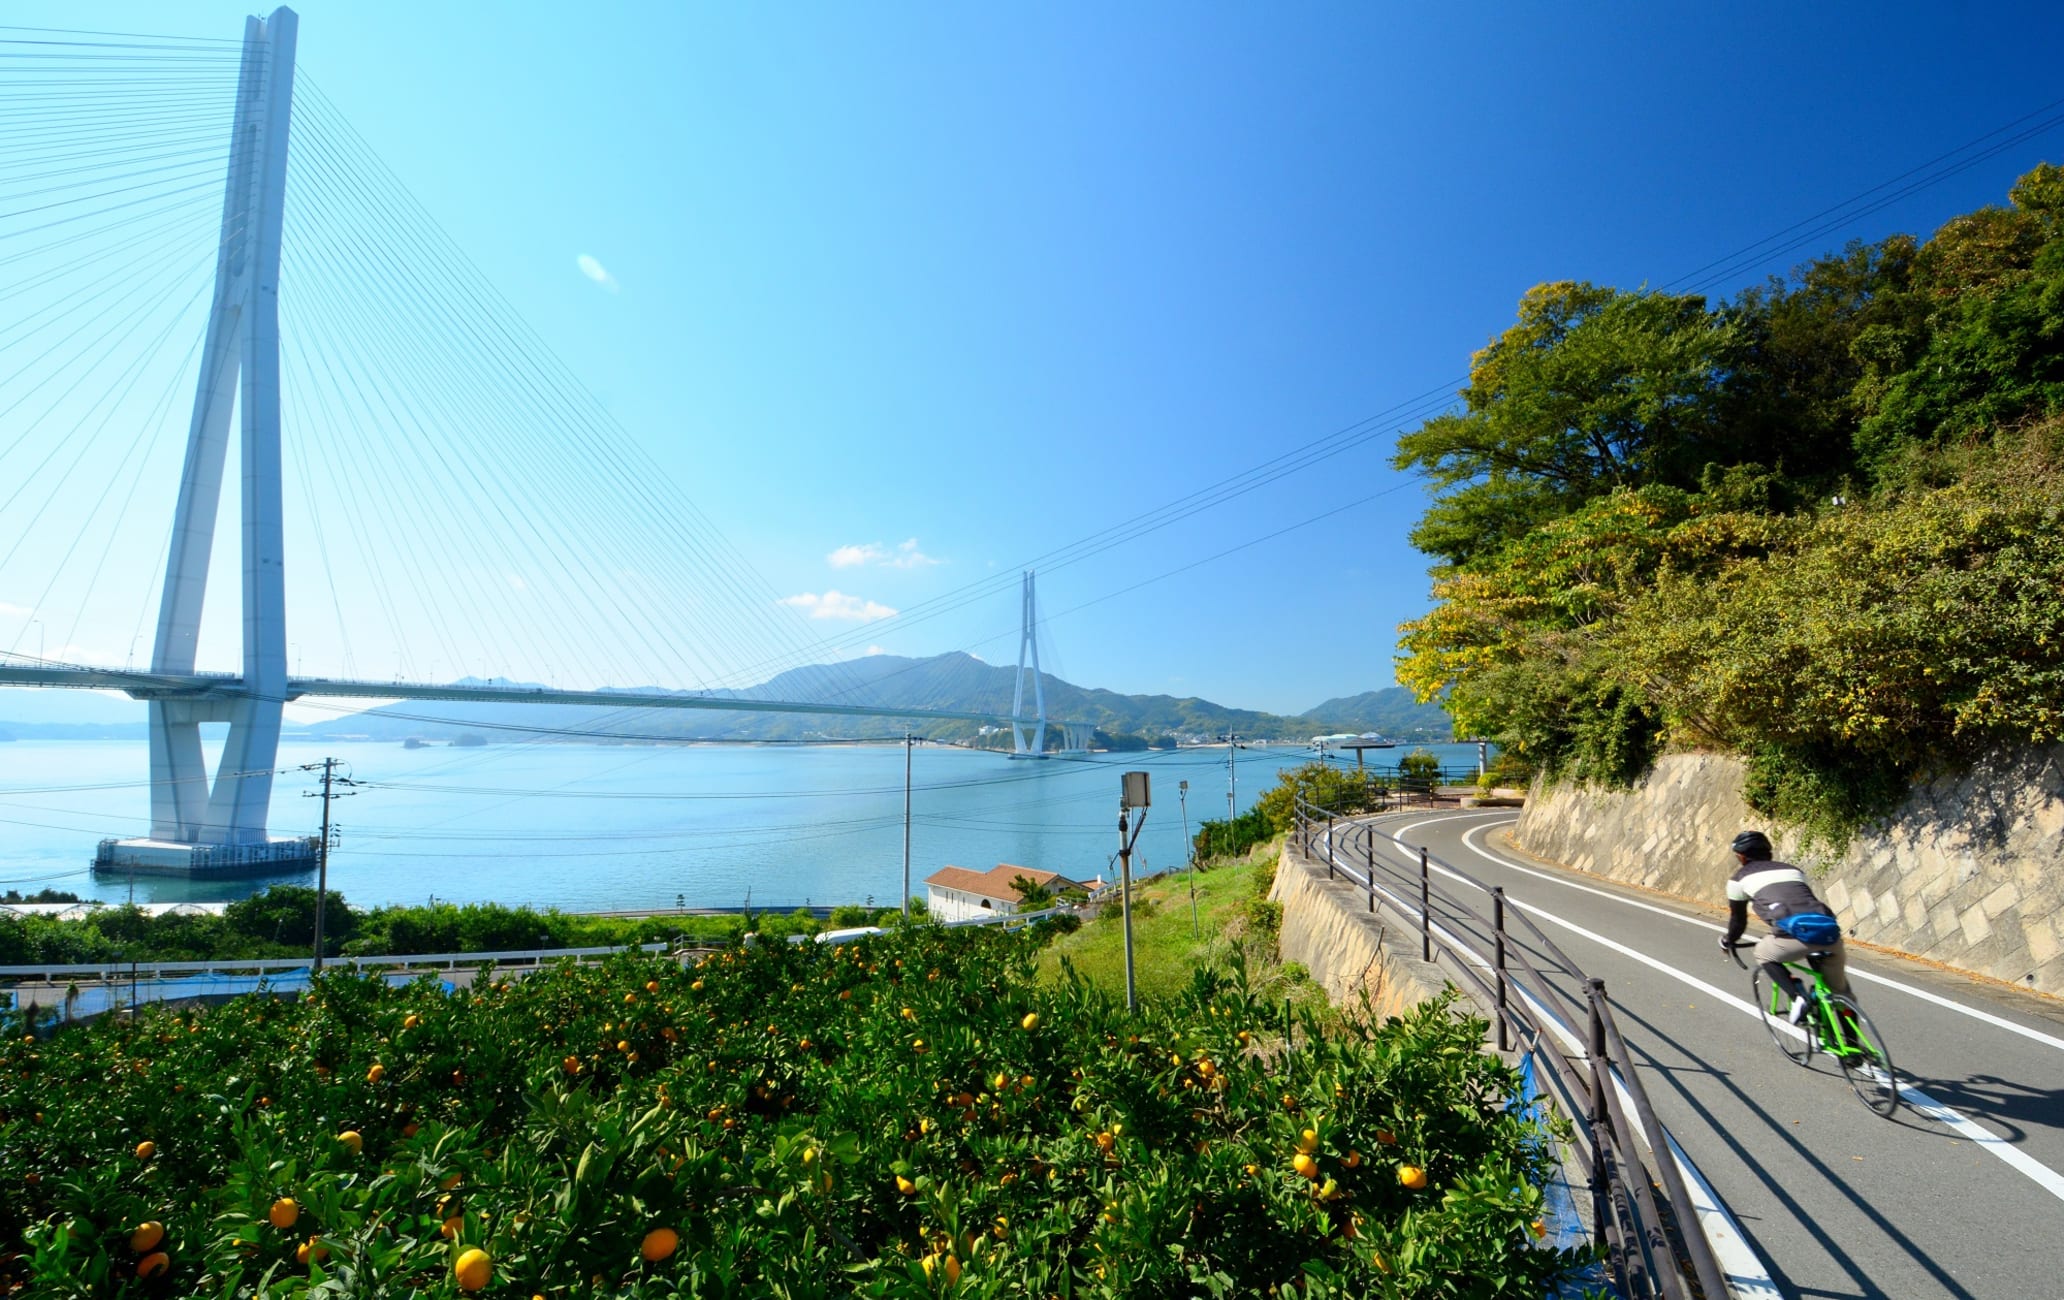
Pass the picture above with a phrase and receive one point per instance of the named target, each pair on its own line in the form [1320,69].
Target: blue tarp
[1568,1228]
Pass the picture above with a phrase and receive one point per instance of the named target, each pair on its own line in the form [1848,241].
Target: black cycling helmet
[1753,845]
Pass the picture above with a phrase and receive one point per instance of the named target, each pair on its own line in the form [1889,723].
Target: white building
[958,894]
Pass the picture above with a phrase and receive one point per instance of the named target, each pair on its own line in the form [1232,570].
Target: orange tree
[910,1115]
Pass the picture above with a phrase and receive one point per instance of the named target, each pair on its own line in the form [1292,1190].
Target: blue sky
[936,289]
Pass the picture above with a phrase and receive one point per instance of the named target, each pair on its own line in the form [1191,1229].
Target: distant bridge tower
[196,828]
[1075,736]
[1028,641]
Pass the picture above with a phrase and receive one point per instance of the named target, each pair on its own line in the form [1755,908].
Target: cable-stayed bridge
[420,405]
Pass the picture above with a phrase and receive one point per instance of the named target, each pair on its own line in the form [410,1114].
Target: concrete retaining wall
[1968,872]
[1327,927]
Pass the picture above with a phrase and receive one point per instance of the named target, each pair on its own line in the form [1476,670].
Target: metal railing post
[1498,962]
[1425,910]
[1596,1116]
[1369,865]
[1329,846]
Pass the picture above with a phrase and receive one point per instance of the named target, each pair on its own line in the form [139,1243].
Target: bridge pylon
[1028,643]
[199,827]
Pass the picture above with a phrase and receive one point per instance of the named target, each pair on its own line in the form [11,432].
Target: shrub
[808,1120]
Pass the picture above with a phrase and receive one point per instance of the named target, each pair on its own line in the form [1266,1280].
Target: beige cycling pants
[1833,967]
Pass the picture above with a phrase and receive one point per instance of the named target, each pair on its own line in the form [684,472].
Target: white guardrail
[125,971]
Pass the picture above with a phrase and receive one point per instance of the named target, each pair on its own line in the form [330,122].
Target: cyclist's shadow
[2006,1105]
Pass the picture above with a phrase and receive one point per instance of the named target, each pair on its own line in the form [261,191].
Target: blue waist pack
[1813,928]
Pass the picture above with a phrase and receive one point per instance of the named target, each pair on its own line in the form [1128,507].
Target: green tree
[1032,896]
[285,914]
[1992,352]
[1594,389]
[1323,786]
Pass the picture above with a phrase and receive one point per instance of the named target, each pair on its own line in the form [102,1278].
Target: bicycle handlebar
[1734,951]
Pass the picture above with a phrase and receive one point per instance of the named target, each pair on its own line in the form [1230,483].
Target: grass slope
[1165,949]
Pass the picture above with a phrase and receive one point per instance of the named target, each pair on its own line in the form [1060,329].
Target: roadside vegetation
[909,1115]
[1236,925]
[1819,525]
[280,923]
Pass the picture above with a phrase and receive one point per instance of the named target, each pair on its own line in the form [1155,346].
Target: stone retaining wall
[1969,871]
[1327,927]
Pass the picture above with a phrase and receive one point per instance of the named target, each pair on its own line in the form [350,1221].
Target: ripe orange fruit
[1308,1141]
[452,1227]
[352,1140]
[409,1129]
[1305,1165]
[658,1244]
[375,1072]
[1030,1022]
[153,1265]
[652,986]
[311,1249]
[144,1150]
[571,1065]
[1411,1176]
[1386,1137]
[1354,1160]
[285,1212]
[146,1237]
[411,1021]
[473,1270]
[905,1186]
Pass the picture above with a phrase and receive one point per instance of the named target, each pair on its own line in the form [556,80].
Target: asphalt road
[1959,1194]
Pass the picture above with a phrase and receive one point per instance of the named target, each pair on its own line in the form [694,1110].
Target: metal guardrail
[1650,1245]
[124,971]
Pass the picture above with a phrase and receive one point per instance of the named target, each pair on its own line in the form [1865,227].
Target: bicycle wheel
[1775,1006]
[1863,1058]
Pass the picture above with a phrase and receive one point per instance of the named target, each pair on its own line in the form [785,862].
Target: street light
[1182,794]
[1133,792]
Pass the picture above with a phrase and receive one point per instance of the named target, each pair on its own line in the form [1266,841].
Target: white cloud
[852,557]
[836,604]
[597,272]
[874,650]
[15,611]
[906,555]
[909,557]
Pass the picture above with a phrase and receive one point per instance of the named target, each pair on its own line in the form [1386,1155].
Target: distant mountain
[954,681]
[38,713]
[1392,711]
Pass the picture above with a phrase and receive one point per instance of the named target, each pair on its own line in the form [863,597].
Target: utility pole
[330,780]
[1232,794]
[1133,793]
[906,826]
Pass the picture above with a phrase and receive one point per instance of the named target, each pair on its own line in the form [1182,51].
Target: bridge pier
[192,820]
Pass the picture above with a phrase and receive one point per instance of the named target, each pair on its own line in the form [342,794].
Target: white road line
[1998,1022]
[2040,1174]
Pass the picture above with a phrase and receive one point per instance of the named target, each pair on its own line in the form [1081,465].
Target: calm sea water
[594,827]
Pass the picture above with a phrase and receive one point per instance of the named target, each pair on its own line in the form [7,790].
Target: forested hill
[1817,524]
[954,681]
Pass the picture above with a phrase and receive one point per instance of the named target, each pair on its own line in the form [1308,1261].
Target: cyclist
[1799,922]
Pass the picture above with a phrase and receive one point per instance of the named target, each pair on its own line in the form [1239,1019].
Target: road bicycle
[1833,1023]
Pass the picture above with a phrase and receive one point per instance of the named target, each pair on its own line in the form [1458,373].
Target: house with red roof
[958,894]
